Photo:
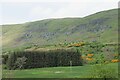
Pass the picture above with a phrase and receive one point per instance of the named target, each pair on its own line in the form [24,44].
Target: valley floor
[87,71]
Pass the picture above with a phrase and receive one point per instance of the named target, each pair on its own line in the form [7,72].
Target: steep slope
[101,26]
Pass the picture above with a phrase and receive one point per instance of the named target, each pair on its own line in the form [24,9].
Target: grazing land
[87,71]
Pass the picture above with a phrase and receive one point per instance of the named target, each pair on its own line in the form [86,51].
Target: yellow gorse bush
[89,59]
[76,44]
[90,55]
[115,60]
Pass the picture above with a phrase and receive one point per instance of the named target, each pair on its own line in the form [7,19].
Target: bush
[91,48]
[101,72]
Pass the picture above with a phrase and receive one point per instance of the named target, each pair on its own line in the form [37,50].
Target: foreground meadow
[87,71]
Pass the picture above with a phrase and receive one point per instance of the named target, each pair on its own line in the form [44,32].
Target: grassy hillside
[100,26]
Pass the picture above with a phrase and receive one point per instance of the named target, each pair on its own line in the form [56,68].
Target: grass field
[86,71]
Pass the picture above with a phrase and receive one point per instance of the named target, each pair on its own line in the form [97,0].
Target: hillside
[101,26]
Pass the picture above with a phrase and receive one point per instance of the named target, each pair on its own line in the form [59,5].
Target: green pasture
[87,71]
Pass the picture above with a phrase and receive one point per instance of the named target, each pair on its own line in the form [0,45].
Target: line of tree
[38,59]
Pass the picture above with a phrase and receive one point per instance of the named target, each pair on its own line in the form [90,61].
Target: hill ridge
[96,27]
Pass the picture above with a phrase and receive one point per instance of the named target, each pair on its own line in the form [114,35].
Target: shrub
[115,60]
[90,55]
[101,72]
